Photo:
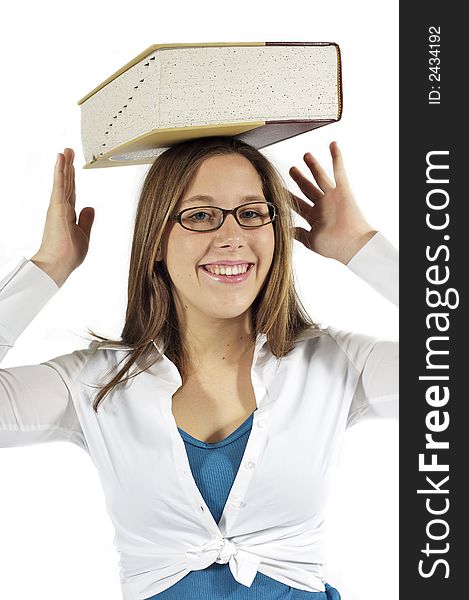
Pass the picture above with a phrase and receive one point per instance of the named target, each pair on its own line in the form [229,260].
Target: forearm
[377,263]
[23,293]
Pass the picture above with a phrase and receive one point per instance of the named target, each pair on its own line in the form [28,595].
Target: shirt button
[238,503]
[261,423]
[250,464]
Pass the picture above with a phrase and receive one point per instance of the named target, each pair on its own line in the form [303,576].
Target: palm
[65,241]
[338,226]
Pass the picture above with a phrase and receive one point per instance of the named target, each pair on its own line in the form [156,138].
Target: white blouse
[273,520]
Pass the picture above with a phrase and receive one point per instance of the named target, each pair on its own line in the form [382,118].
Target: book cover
[260,92]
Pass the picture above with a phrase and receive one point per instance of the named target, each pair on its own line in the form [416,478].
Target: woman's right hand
[65,242]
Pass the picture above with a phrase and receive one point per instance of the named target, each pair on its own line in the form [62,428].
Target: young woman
[214,452]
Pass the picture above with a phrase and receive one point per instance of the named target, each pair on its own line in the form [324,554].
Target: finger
[340,175]
[58,184]
[306,185]
[72,191]
[302,207]
[86,219]
[71,197]
[319,173]
[303,236]
[68,173]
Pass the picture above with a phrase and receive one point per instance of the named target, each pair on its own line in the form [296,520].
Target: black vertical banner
[434,250]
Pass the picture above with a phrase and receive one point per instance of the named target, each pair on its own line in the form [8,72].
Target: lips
[250,265]
[228,264]
[230,279]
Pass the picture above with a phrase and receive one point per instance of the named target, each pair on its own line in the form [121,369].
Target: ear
[159,255]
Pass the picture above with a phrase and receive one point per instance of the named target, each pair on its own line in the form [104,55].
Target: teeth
[234,270]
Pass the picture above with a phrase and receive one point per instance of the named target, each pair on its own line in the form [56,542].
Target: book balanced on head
[259,92]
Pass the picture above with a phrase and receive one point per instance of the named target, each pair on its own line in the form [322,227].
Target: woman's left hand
[338,228]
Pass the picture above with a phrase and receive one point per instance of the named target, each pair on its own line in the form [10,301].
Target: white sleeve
[377,361]
[35,402]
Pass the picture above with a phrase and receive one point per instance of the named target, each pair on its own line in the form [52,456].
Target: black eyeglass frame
[225,212]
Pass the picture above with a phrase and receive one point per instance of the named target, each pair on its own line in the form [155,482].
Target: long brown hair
[151,315]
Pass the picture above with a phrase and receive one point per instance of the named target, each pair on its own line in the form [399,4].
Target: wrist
[356,245]
[55,271]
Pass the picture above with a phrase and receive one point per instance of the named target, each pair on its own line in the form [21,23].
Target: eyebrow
[210,199]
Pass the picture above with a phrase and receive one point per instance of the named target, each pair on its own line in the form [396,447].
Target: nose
[230,224]
[230,232]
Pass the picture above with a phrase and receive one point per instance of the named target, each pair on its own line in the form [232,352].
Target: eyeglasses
[209,218]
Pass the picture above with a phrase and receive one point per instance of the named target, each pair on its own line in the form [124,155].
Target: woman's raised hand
[65,241]
[338,228]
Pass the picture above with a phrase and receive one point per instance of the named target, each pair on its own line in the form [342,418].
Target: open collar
[261,340]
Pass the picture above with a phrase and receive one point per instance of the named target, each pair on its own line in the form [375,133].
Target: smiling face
[227,179]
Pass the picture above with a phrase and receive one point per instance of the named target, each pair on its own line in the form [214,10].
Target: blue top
[214,468]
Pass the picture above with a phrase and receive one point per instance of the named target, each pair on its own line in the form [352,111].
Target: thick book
[259,92]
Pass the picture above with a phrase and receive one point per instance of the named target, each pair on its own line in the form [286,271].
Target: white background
[56,537]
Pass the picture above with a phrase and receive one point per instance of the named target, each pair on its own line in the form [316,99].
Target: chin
[227,311]
[227,314]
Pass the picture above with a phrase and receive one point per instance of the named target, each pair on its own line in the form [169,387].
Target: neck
[223,345]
